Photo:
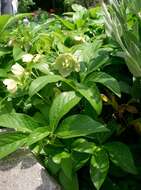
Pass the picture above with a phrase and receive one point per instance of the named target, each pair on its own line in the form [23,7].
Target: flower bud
[11,85]
[27,58]
[17,70]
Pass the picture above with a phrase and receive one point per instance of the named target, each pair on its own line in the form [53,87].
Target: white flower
[27,58]
[17,69]
[11,85]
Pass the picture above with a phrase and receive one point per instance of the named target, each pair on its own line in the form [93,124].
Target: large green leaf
[106,80]
[99,167]
[79,125]
[92,95]
[37,135]
[67,183]
[41,82]
[121,156]
[10,142]
[62,104]
[18,121]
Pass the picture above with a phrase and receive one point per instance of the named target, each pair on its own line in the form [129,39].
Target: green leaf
[60,156]
[4,51]
[64,159]
[37,135]
[93,96]
[3,73]
[69,25]
[98,61]
[99,167]
[17,53]
[81,145]
[3,21]
[62,104]
[121,156]
[106,80]
[51,166]
[10,142]
[18,121]
[79,159]
[68,184]
[79,125]
[41,82]
[66,166]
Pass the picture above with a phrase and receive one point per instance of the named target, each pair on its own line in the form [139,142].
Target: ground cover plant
[70,92]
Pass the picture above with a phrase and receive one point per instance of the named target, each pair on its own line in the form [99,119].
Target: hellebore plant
[65,99]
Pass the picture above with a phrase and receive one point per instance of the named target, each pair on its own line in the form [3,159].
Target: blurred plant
[24,5]
[123,23]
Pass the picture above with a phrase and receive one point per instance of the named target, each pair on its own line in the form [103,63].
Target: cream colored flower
[66,63]
[27,58]
[17,70]
[11,85]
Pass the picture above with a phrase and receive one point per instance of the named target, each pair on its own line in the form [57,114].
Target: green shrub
[66,97]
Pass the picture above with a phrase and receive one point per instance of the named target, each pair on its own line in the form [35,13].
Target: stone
[21,171]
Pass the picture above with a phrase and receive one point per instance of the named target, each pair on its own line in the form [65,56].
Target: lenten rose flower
[27,58]
[17,69]
[11,85]
[66,63]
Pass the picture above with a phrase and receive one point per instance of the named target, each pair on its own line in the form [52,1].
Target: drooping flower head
[11,85]
[66,63]
[17,70]
[27,58]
